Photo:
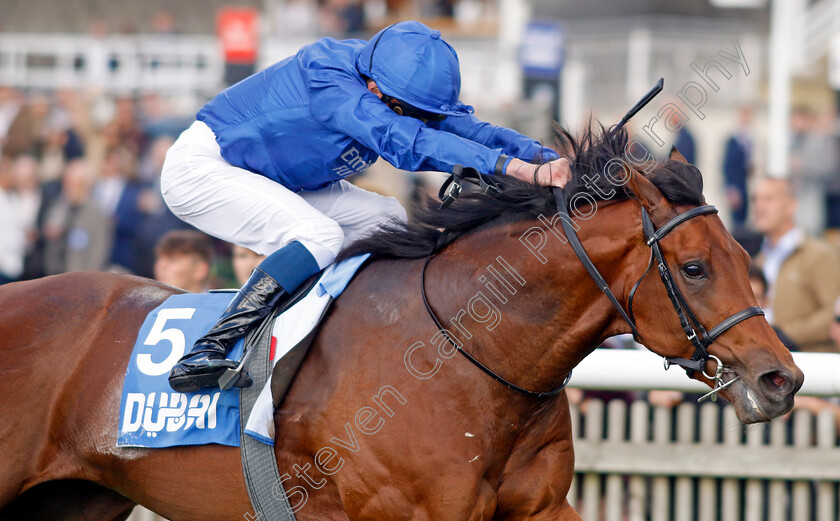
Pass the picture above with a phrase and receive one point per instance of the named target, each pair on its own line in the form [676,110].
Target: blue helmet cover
[412,63]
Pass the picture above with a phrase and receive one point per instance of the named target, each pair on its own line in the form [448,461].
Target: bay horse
[382,420]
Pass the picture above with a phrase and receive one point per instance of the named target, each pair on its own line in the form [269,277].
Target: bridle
[700,338]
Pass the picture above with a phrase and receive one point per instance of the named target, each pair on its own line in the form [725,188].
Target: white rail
[640,370]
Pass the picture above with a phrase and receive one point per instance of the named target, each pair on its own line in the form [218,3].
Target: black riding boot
[206,362]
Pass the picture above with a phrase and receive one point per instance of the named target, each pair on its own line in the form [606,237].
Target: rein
[501,380]
[449,192]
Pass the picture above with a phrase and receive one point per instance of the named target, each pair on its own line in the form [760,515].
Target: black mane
[432,228]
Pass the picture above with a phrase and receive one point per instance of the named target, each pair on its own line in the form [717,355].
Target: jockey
[264,164]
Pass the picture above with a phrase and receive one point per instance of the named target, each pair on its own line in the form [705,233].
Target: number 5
[175,337]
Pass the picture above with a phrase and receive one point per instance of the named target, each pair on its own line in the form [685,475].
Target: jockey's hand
[553,173]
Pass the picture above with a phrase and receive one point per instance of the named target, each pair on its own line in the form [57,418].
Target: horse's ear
[647,194]
[676,156]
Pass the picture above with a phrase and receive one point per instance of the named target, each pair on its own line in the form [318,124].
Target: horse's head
[710,271]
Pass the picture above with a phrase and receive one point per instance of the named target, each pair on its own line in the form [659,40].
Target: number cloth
[153,415]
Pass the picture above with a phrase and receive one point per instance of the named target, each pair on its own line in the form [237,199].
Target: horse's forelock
[680,183]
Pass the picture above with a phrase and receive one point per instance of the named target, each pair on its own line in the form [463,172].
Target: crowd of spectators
[79,182]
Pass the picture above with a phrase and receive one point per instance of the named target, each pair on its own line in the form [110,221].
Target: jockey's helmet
[411,63]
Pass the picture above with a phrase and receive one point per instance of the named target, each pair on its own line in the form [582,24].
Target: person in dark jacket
[737,163]
[264,165]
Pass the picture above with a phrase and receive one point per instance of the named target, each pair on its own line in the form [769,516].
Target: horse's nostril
[778,380]
[776,384]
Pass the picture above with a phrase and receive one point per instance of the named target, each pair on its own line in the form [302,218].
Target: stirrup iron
[230,377]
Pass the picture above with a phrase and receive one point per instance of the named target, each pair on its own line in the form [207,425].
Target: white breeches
[250,210]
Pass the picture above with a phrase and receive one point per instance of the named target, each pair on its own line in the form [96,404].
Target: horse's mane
[432,228]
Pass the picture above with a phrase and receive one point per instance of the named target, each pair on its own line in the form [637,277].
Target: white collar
[787,242]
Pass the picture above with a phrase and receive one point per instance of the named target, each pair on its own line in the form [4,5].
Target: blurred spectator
[28,132]
[71,117]
[758,283]
[183,260]
[25,180]
[436,8]
[685,144]
[666,398]
[77,232]
[13,230]
[156,219]
[813,161]
[803,273]
[157,119]
[113,179]
[98,28]
[835,324]
[124,129]
[11,100]
[151,163]
[759,287]
[60,144]
[684,140]
[737,164]
[244,262]
[342,18]
[119,194]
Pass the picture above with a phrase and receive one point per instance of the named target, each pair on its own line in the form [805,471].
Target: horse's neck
[529,320]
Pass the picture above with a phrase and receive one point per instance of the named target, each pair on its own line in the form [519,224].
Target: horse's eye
[694,270]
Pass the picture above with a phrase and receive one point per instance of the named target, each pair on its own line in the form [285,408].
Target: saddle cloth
[152,415]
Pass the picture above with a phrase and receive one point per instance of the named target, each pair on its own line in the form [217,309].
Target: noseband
[700,338]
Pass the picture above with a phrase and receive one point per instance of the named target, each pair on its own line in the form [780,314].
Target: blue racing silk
[310,120]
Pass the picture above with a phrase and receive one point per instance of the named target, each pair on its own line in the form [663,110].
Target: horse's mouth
[751,406]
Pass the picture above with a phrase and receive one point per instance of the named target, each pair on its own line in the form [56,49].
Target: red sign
[238,30]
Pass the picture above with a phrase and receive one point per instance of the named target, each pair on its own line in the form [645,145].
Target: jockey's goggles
[411,111]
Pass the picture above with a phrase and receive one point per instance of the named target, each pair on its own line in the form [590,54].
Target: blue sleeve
[341,102]
[509,141]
